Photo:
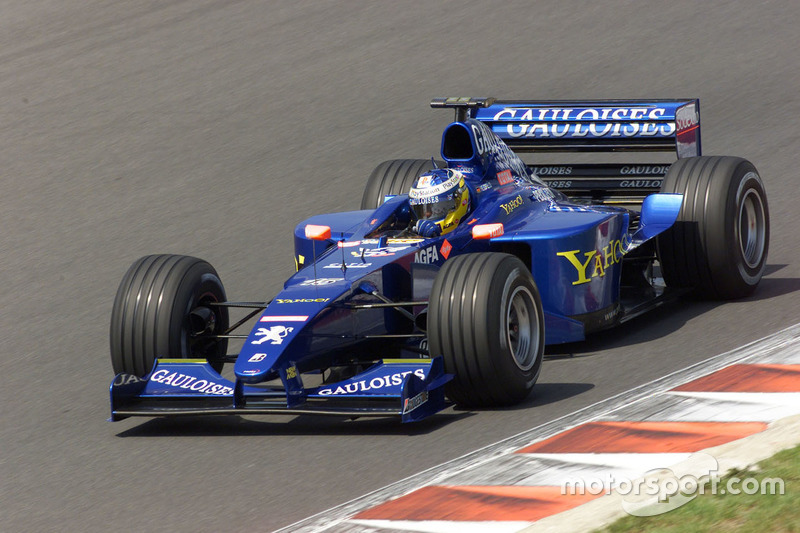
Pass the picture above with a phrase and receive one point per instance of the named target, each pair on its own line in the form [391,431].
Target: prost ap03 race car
[380,320]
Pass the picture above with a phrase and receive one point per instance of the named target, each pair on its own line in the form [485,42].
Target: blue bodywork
[359,297]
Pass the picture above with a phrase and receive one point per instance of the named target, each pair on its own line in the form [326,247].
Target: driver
[439,200]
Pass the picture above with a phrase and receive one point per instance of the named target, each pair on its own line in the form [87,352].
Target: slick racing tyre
[719,243]
[485,318]
[392,178]
[162,310]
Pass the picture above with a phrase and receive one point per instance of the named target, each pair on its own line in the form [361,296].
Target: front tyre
[718,245]
[164,308]
[485,318]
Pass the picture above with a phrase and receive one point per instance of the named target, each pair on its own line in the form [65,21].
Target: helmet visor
[436,207]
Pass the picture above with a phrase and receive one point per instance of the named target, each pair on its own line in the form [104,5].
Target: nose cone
[265,345]
[274,339]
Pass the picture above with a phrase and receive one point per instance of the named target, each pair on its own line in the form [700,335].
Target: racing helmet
[442,196]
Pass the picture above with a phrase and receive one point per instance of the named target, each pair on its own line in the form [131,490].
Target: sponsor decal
[687,121]
[616,129]
[638,170]
[321,281]
[380,252]
[251,372]
[446,249]
[274,334]
[291,372]
[483,187]
[512,205]
[126,379]
[611,314]
[412,403]
[572,114]
[255,358]
[640,183]
[373,384]
[504,177]
[474,220]
[552,171]
[426,255]
[353,244]
[373,221]
[687,118]
[651,122]
[390,240]
[284,318]
[424,181]
[300,300]
[348,265]
[487,231]
[436,190]
[590,265]
[422,200]
[484,142]
[404,241]
[489,144]
[560,184]
[182,381]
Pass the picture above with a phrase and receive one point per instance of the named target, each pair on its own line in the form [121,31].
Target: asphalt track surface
[210,128]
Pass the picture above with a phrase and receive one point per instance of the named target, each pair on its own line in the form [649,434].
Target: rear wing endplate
[587,126]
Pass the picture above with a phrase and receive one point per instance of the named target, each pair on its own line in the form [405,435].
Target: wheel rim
[200,346]
[752,228]
[522,334]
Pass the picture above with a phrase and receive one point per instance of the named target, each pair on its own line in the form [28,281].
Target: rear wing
[591,126]
[587,126]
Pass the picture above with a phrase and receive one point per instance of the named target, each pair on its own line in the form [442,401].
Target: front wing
[410,388]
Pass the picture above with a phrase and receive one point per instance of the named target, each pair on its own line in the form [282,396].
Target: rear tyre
[485,318]
[162,310]
[719,243]
[392,178]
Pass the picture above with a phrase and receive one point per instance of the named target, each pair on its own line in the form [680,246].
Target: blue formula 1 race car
[454,275]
